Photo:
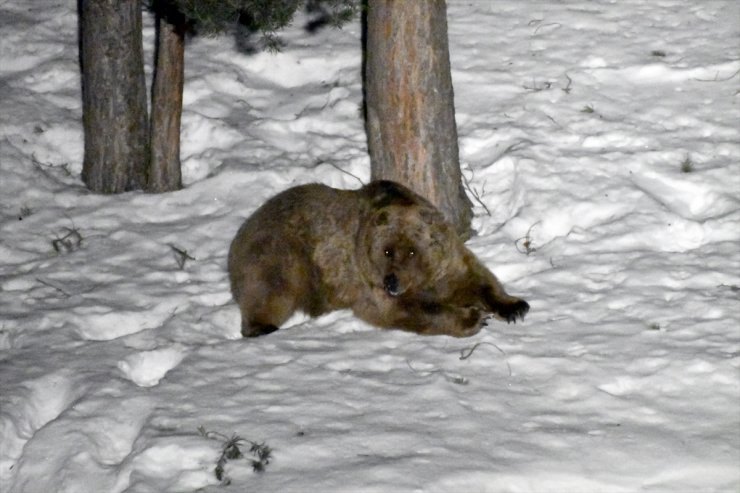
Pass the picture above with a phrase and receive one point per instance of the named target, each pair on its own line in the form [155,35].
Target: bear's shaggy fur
[382,250]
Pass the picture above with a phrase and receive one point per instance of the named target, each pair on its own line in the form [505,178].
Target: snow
[575,120]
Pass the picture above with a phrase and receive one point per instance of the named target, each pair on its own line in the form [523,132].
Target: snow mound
[693,196]
[147,368]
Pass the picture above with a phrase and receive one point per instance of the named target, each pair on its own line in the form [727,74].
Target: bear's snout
[390,284]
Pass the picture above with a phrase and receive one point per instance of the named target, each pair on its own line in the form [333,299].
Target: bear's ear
[383,193]
[381,218]
[430,215]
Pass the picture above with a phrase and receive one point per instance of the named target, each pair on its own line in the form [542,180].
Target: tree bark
[167,87]
[114,105]
[410,113]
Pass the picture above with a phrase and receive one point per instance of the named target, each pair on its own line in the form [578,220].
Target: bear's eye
[412,252]
[388,252]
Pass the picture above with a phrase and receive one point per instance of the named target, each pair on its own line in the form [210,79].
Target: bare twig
[474,192]
[43,167]
[526,242]
[512,148]
[535,88]
[464,355]
[70,242]
[333,165]
[452,379]
[717,79]
[171,316]
[552,119]
[556,24]
[566,89]
[54,285]
[181,256]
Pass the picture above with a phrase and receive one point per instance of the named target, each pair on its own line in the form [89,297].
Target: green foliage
[211,17]
[335,13]
[216,16]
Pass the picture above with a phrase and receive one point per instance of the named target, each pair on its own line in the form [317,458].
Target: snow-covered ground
[600,136]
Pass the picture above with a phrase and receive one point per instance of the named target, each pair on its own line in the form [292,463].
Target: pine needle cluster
[232,450]
[266,17]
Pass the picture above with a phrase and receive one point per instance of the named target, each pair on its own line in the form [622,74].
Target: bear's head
[404,248]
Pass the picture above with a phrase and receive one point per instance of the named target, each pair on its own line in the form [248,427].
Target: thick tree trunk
[164,170]
[114,106]
[412,136]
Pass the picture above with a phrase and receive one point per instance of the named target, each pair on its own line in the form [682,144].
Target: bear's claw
[511,311]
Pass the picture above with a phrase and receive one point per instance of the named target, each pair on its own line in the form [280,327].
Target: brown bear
[382,251]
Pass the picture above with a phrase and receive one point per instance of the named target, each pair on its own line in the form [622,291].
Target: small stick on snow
[54,285]
[474,193]
[464,355]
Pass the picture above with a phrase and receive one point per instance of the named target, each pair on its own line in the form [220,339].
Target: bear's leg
[481,288]
[270,294]
[264,310]
[504,306]
[433,318]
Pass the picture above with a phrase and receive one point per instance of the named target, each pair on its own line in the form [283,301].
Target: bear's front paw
[471,318]
[510,311]
[470,322]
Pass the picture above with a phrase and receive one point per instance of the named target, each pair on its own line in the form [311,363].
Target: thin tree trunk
[114,105]
[164,171]
[412,136]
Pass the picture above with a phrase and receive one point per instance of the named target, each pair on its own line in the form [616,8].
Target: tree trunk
[114,106]
[412,136]
[164,170]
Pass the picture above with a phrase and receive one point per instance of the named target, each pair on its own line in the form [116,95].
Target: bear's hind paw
[257,330]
